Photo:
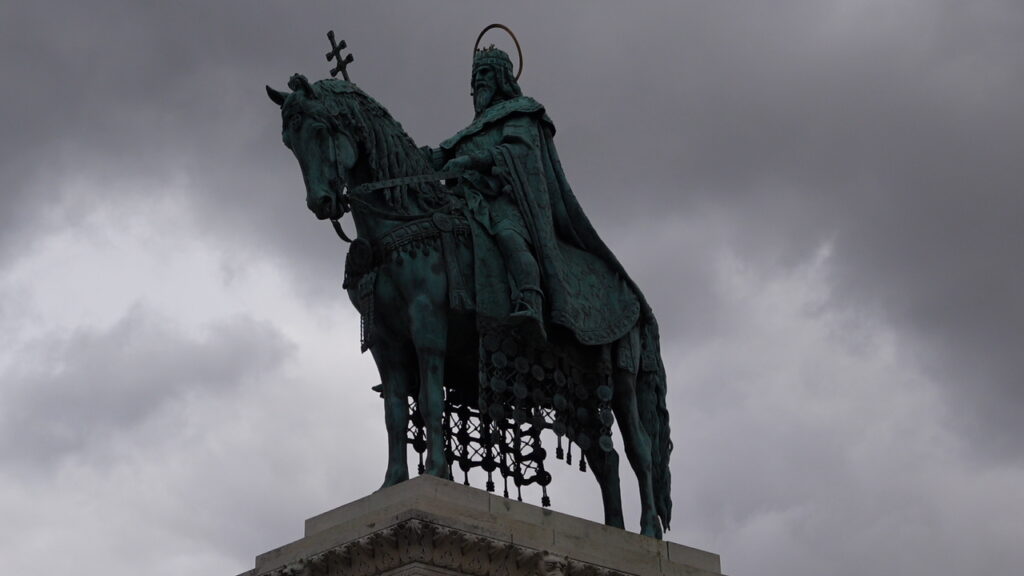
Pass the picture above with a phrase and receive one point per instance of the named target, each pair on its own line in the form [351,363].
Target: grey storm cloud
[81,389]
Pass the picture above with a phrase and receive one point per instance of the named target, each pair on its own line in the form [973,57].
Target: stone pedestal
[428,526]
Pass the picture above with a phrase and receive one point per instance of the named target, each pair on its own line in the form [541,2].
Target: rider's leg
[522,267]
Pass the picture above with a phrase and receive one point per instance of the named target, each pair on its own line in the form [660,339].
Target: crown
[492,56]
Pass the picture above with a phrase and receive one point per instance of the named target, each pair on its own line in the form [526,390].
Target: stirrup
[528,315]
[529,306]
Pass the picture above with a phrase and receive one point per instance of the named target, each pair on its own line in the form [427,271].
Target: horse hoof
[440,472]
[651,528]
[615,522]
[652,532]
[392,479]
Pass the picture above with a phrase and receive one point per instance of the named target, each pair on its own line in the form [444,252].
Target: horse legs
[638,448]
[392,364]
[605,466]
[429,330]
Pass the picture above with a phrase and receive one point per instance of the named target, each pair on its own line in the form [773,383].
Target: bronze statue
[491,306]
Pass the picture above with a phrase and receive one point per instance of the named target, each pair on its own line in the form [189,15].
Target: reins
[353,197]
[342,197]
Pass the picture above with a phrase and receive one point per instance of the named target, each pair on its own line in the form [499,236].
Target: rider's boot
[528,310]
[529,305]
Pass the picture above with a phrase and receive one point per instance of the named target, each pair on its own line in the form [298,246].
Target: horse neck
[413,166]
[370,225]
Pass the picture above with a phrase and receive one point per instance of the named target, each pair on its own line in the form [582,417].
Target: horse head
[342,138]
[315,134]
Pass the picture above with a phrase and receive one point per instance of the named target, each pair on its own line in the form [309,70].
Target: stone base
[429,526]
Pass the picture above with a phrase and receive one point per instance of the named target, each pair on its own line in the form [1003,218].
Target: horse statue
[463,391]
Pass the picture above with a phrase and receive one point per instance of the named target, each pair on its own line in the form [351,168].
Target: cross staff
[335,54]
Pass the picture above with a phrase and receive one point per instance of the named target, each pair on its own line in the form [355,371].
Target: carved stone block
[432,527]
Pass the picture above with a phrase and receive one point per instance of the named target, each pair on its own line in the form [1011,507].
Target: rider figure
[501,126]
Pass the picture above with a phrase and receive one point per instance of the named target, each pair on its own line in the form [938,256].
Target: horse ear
[298,82]
[277,97]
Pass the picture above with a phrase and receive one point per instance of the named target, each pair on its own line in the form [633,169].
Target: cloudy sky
[821,199]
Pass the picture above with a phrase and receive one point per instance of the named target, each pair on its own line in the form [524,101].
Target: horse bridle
[340,195]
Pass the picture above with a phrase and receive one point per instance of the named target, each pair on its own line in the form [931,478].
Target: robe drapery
[586,289]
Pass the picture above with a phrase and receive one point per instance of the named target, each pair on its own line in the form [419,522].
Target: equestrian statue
[491,306]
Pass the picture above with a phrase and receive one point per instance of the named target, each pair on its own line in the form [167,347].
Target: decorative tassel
[559,453]
[568,455]
[506,486]
[544,500]
[583,463]
[362,335]
[490,482]
[421,467]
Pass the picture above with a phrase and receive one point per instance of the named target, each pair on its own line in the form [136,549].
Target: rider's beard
[482,97]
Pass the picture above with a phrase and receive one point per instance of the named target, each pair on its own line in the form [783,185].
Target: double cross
[335,54]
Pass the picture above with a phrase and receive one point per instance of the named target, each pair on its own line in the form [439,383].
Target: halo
[514,39]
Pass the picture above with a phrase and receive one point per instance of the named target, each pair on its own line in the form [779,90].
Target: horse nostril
[325,206]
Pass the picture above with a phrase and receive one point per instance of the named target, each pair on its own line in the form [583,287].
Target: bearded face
[485,87]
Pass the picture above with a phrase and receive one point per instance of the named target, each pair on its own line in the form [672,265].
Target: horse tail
[651,388]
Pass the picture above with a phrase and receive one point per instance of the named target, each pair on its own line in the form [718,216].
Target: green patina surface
[491,305]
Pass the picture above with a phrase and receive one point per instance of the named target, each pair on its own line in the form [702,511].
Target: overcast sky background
[821,199]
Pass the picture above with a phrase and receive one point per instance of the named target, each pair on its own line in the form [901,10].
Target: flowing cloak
[585,287]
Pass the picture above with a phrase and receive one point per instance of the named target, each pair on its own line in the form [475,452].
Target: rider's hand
[458,164]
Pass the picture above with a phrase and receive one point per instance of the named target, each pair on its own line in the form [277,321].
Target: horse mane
[390,152]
